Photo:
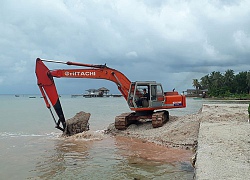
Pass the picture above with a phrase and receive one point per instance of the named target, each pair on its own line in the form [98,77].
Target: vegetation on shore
[225,85]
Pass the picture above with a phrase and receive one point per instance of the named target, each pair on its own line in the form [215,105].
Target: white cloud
[131,54]
[1,79]
[19,67]
[242,41]
[210,50]
[189,38]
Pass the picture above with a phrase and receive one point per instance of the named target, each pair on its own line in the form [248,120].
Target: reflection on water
[65,158]
[112,158]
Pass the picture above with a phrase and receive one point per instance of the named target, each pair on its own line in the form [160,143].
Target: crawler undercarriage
[125,119]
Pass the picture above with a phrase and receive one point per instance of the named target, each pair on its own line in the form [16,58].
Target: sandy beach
[218,133]
[182,131]
[178,132]
[223,142]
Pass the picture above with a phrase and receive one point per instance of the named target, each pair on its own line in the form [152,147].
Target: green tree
[216,82]
[225,85]
[229,80]
[197,85]
[217,79]
[248,81]
[205,82]
[240,82]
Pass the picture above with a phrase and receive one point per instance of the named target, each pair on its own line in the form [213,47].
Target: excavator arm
[49,92]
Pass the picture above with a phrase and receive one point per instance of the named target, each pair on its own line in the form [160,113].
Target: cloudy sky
[169,41]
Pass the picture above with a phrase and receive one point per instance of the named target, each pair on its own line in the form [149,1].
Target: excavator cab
[145,94]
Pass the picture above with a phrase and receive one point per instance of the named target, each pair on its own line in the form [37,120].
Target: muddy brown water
[31,148]
[116,158]
[150,151]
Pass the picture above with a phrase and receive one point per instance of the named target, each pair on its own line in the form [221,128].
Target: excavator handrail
[70,63]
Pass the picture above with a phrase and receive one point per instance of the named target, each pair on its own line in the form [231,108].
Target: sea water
[31,148]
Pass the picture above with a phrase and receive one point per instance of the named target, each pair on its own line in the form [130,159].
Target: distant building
[97,92]
[103,91]
[191,92]
[194,93]
[92,92]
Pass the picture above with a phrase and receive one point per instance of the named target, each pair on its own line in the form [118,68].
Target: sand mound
[177,132]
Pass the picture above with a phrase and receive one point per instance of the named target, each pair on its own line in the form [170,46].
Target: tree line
[226,84]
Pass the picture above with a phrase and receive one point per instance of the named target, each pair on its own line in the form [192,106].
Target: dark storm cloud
[172,42]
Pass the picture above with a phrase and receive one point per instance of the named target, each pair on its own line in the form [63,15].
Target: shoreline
[226,100]
[179,132]
[219,135]
[183,131]
[217,139]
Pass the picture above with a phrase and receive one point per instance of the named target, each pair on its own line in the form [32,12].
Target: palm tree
[228,80]
[215,83]
[218,79]
[205,82]
[241,82]
[196,84]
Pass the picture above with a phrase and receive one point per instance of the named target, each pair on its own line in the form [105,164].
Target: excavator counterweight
[146,99]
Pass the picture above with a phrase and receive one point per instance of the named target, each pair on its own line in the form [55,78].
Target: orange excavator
[146,99]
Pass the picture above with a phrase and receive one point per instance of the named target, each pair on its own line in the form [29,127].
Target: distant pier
[95,95]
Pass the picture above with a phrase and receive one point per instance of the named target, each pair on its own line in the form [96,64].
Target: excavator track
[160,118]
[123,121]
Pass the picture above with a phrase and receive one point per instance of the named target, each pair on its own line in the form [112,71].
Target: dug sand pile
[77,124]
[178,132]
